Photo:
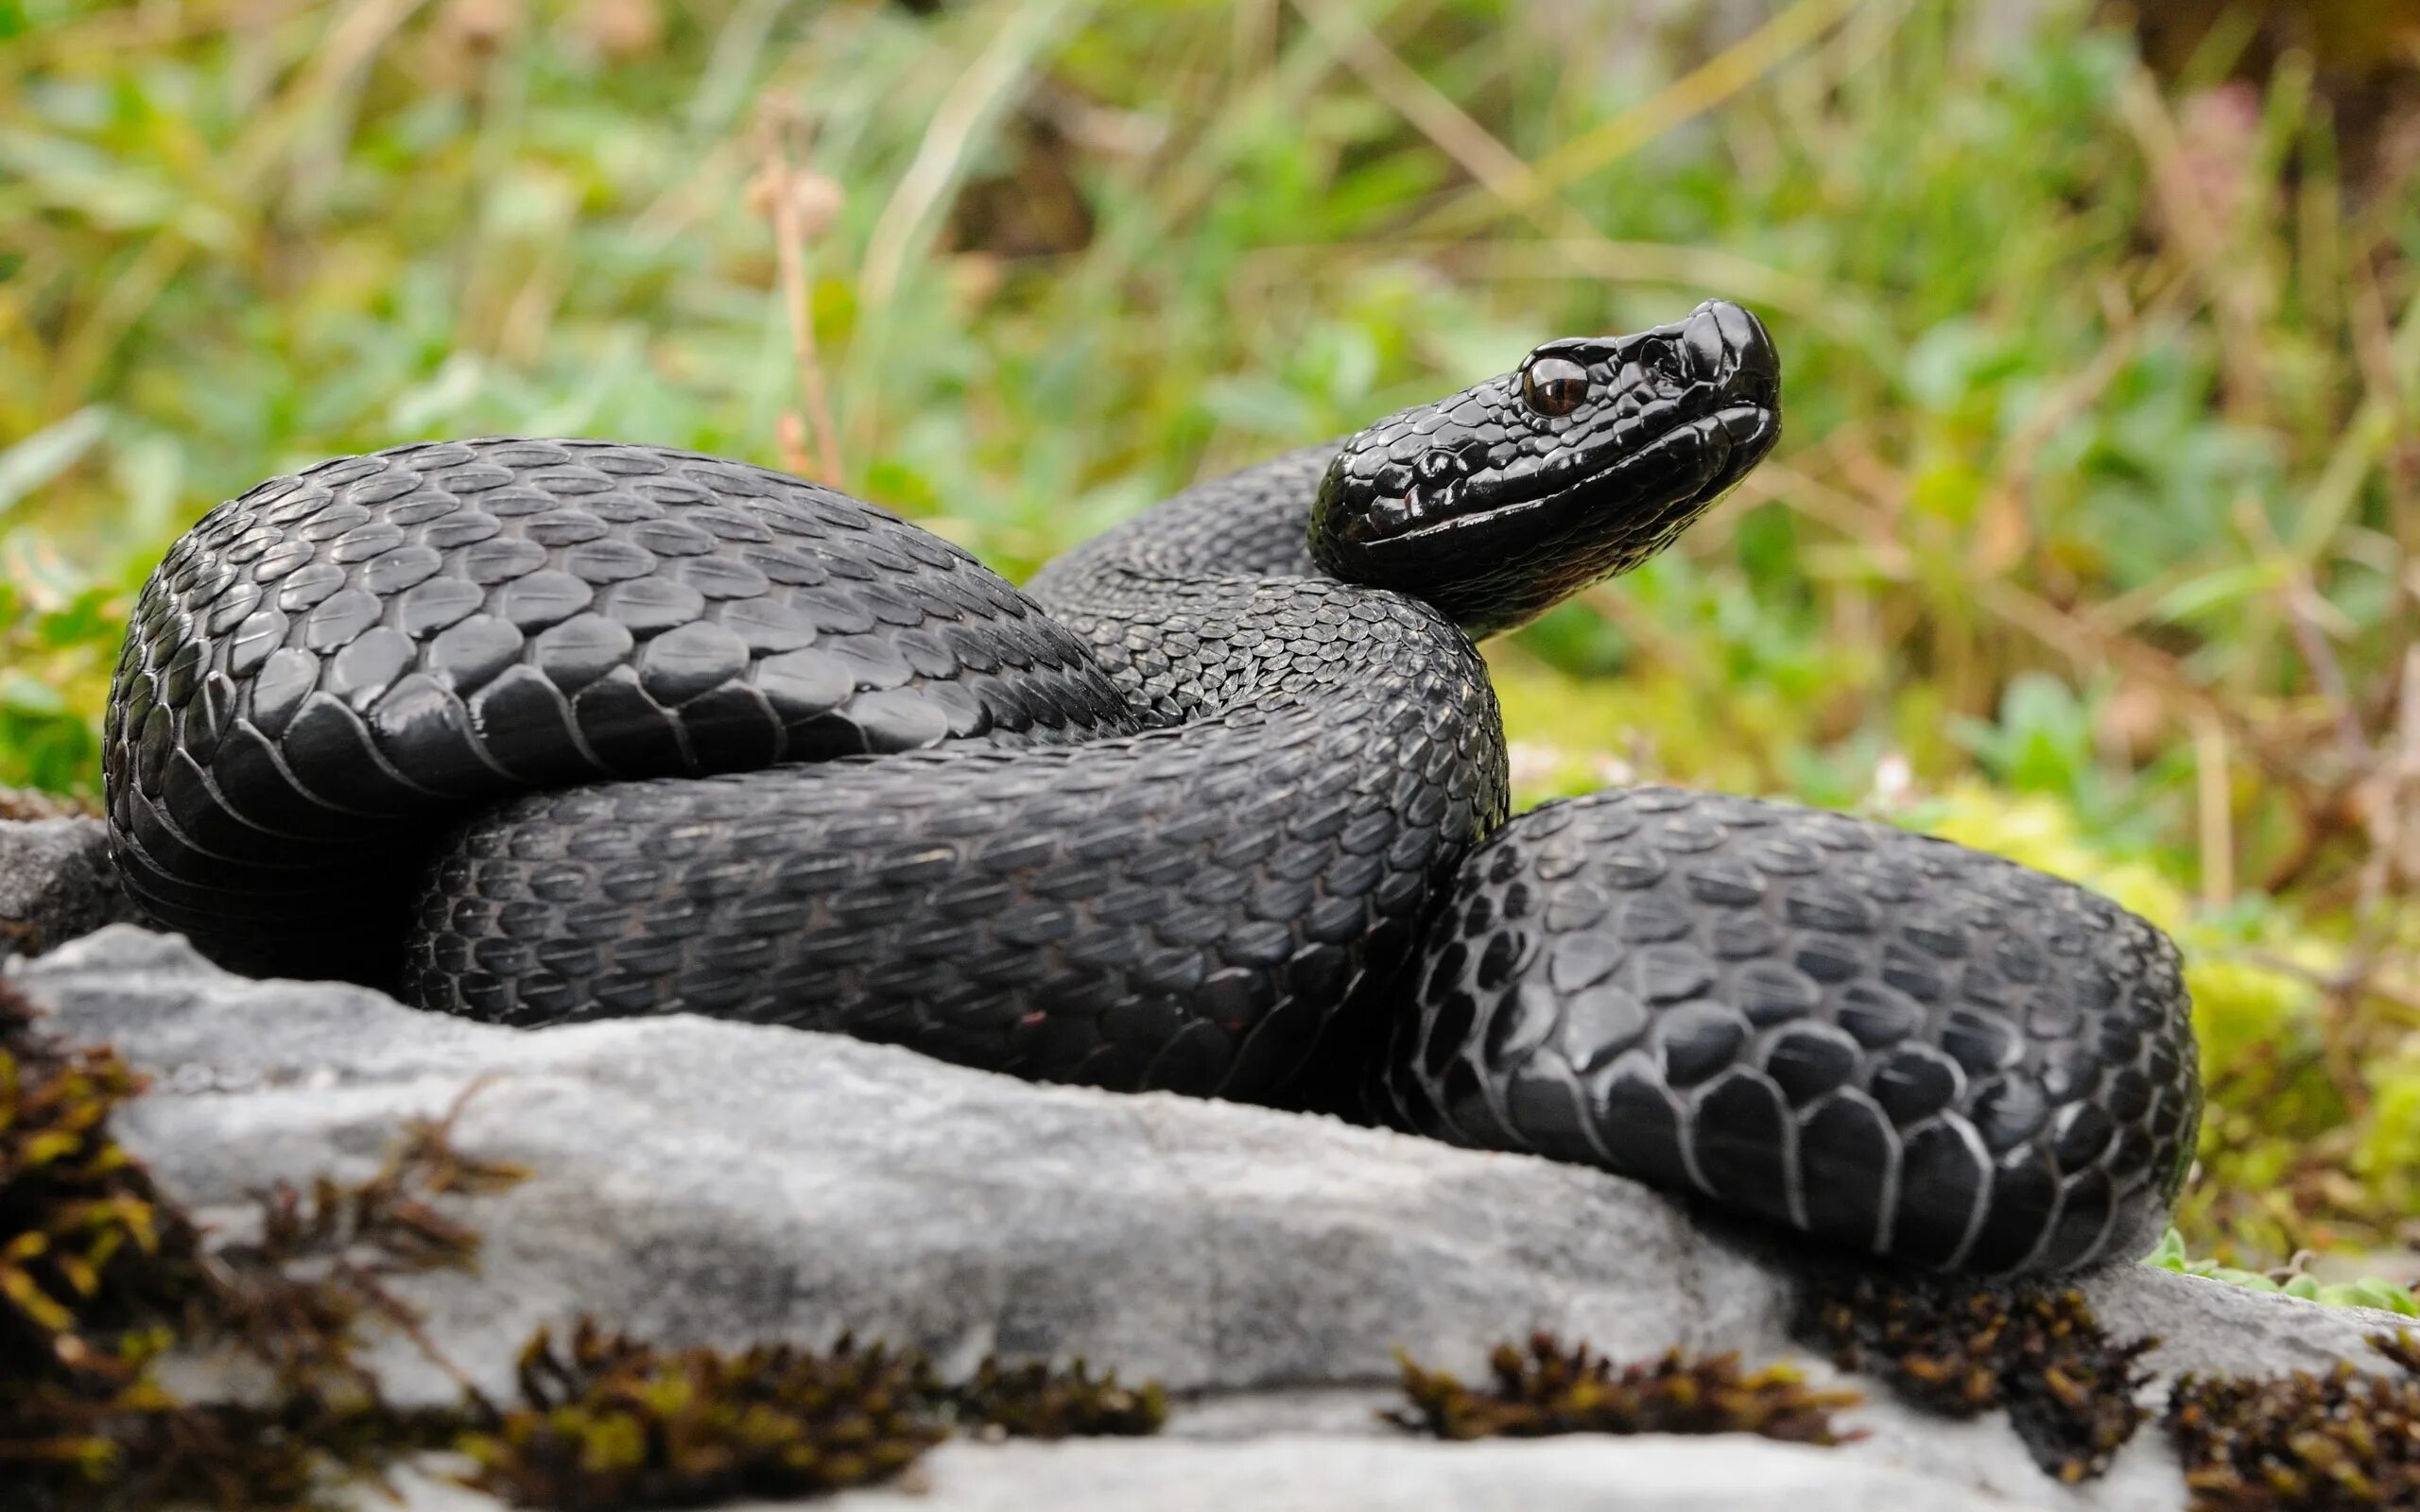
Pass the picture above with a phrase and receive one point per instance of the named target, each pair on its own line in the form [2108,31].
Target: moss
[2382,1157]
[1960,1351]
[2403,1347]
[2346,1441]
[1039,1401]
[1549,1388]
[93,1259]
[101,1277]
[611,1422]
[96,1275]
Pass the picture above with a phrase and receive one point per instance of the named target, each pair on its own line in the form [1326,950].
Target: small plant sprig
[1549,1388]
[2070,1388]
[301,1294]
[2402,1347]
[2370,1291]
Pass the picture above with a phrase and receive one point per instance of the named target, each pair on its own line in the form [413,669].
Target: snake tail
[1886,1040]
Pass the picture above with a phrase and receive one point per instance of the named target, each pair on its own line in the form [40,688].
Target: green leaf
[48,451]
[20,693]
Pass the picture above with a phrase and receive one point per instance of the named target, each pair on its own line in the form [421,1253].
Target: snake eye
[1554,385]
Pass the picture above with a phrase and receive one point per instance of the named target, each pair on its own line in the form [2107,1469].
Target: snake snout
[1727,345]
[1702,340]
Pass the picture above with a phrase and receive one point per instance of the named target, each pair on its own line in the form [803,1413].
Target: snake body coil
[1221,808]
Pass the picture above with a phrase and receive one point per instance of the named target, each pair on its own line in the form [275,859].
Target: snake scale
[538,731]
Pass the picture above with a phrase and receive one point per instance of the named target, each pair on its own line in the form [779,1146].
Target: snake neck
[1197,608]
[1252,523]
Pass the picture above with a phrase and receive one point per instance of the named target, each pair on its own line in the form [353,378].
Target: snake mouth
[1498,502]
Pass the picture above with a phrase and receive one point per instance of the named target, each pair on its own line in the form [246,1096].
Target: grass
[2091,539]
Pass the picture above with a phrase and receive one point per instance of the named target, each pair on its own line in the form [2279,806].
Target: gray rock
[1305,1474]
[708,1182]
[55,884]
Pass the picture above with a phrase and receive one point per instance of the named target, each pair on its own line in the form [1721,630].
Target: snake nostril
[1663,361]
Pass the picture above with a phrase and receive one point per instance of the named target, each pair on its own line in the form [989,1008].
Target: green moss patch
[1549,1388]
[607,1422]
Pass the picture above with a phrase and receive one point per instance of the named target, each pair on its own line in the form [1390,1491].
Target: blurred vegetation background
[2091,541]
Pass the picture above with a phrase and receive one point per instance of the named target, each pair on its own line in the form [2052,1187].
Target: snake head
[1497,503]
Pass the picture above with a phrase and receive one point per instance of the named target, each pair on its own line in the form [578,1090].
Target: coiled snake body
[1221,808]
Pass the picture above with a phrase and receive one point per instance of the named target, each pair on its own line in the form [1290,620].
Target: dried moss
[96,1275]
[2346,1441]
[2402,1348]
[94,1261]
[301,1295]
[611,1422]
[1549,1388]
[2069,1389]
[1037,1399]
[101,1277]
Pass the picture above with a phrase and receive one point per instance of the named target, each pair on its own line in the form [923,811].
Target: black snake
[549,731]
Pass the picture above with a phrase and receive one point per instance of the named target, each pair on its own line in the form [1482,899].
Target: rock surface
[55,884]
[703,1181]
[1309,1472]
[1295,1472]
